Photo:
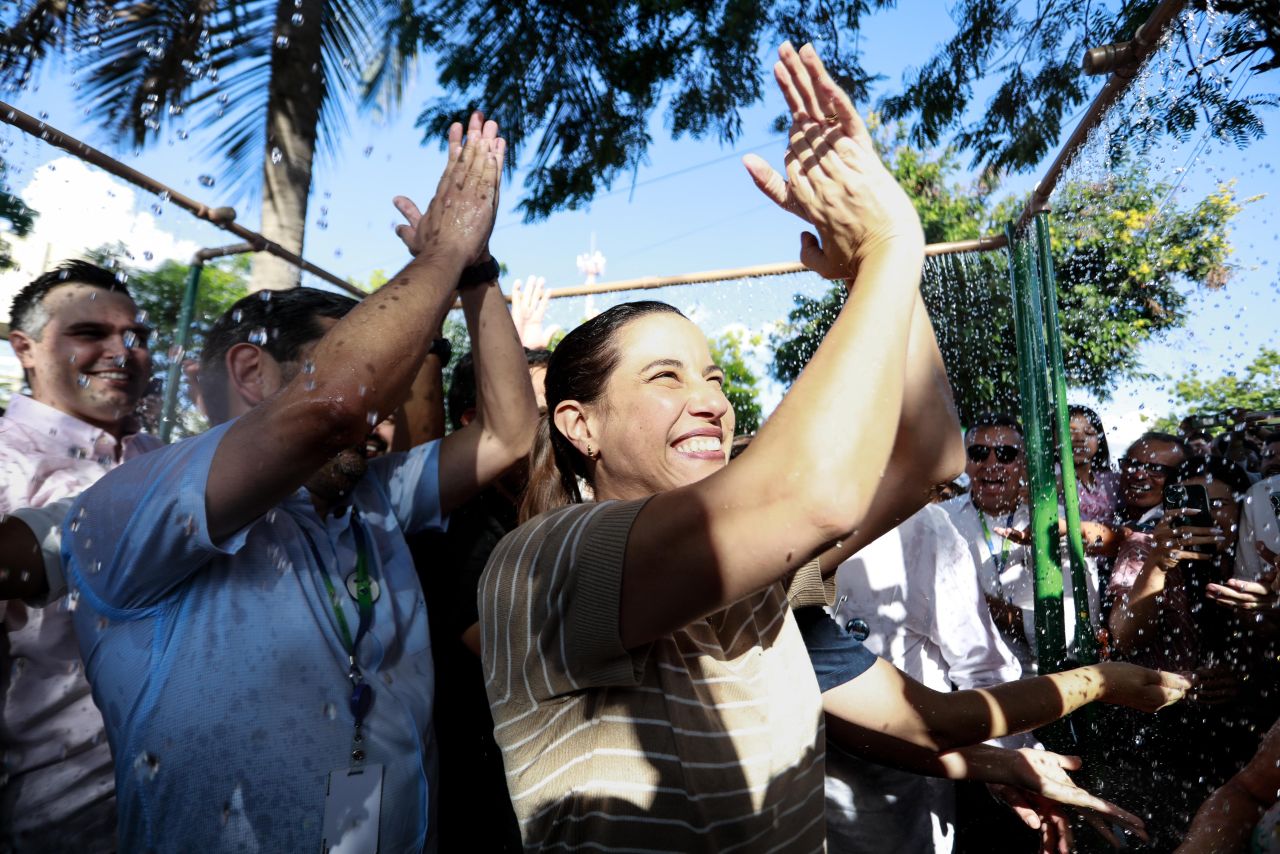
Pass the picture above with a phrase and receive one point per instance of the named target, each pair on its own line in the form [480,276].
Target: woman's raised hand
[834,178]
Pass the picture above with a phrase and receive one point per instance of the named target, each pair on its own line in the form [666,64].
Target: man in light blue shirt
[222,582]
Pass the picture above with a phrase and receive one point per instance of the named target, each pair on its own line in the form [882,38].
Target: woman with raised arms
[650,688]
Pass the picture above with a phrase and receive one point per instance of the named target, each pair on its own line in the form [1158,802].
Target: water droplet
[146,766]
[258,336]
[276,155]
[368,149]
[282,42]
[82,380]
[237,315]
[206,180]
[73,600]
[330,711]
[373,418]
[297,19]
[157,210]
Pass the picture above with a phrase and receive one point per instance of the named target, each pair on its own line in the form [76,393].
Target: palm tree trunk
[294,99]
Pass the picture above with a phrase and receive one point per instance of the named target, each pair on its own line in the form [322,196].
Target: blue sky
[692,208]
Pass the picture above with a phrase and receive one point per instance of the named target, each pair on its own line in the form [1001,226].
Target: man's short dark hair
[993,419]
[25,314]
[462,382]
[1161,437]
[280,322]
[1216,469]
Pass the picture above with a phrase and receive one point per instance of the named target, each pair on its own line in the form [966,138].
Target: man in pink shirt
[83,349]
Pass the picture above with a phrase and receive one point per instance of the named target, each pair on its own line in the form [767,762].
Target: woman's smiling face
[663,421]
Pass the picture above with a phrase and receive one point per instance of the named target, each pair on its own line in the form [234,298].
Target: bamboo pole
[222,217]
[981,244]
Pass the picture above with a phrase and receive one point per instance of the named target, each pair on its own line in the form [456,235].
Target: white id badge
[352,806]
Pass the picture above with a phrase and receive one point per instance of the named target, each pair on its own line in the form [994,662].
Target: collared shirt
[56,785]
[220,667]
[916,590]
[1005,571]
[1259,521]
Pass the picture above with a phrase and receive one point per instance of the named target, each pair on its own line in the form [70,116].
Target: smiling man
[997,468]
[83,350]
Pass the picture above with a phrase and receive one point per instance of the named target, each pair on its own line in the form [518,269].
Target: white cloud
[81,208]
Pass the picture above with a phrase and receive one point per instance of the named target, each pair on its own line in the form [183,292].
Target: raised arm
[368,360]
[506,414]
[1225,821]
[1138,612]
[812,473]
[927,450]
[501,434]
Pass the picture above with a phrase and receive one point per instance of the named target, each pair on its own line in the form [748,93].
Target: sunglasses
[1157,469]
[1004,453]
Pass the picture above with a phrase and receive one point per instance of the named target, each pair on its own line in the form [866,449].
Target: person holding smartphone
[1165,617]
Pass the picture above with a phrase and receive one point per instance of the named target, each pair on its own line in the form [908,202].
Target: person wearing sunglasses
[1145,470]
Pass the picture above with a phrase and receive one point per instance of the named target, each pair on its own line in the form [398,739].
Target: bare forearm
[886,701]
[505,405]
[1020,706]
[979,762]
[421,418]
[828,444]
[1138,611]
[927,450]
[372,355]
[1224,822]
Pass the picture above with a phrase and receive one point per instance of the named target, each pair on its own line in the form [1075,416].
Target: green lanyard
[1002,559]
[364,600]
[361,699]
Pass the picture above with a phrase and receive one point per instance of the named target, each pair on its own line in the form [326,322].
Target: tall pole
[185,317]
[1086,644]
[1033,386]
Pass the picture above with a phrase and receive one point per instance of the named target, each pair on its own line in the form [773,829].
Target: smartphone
[1189,496]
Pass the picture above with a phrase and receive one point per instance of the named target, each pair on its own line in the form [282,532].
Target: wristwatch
[479,274]
[441,348]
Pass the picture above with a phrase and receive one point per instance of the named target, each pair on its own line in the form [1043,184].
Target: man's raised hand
[460,217]
[834,178]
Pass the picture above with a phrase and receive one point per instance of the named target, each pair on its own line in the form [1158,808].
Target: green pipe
[1086,643]
[1033,387]
[174,378]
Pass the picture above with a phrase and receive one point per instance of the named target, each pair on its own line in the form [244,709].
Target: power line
[631,188]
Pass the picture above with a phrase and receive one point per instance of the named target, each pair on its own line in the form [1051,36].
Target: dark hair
[993,419]
[1102,459]
[579,369]
[1215,469]
[462,382]
[1157,436]
[25,308]
[280,322]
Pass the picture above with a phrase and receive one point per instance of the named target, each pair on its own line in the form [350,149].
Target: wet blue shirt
[220,669]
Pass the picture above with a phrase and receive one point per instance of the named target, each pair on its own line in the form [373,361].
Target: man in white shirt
[997,470]
[1260,516]
[76,332]
[913,598]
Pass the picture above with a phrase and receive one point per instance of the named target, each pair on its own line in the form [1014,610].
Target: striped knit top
[707,739]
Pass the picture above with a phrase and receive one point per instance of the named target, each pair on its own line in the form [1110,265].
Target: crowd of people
[548,613]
